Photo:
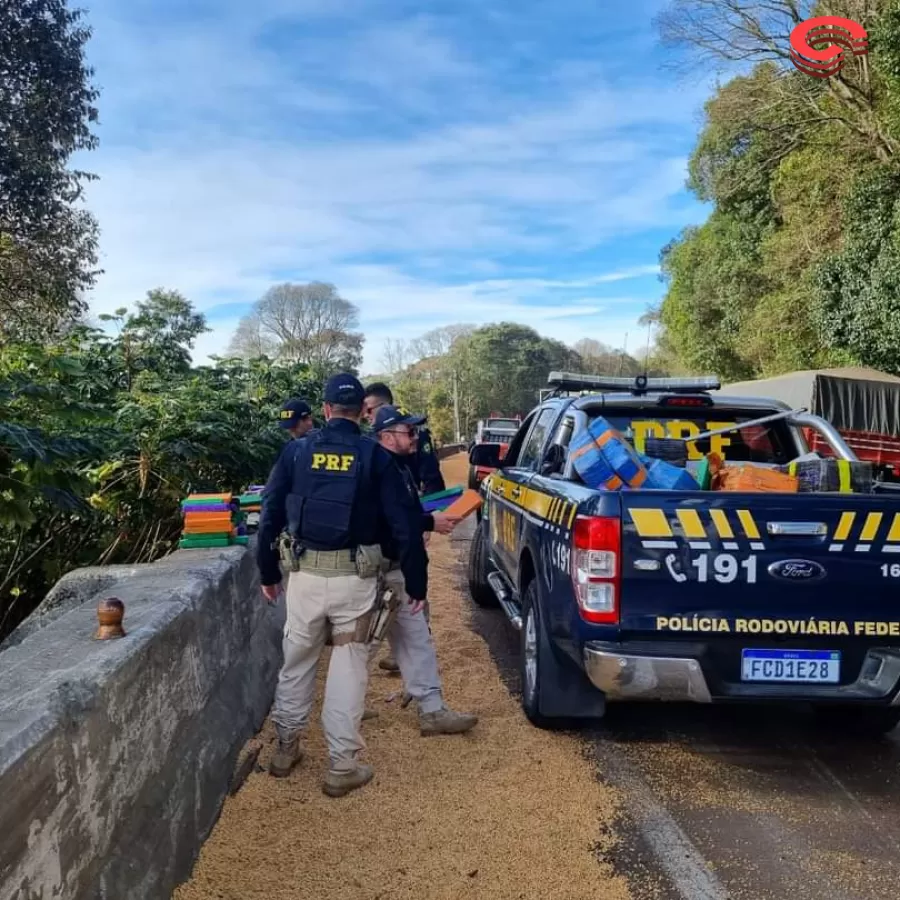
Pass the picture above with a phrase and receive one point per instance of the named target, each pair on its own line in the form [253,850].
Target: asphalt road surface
[739,802]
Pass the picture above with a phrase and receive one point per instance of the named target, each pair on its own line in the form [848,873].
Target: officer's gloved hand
[416,606]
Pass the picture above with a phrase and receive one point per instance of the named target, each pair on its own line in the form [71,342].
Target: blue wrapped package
[605,460]
[663,476]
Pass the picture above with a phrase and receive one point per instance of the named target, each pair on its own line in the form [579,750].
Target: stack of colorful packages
[440,500]
[454,501]
[210,520]
[250,503]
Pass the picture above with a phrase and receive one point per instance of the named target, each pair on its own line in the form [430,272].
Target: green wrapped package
[241,539]
[704,474]
[439,495]
[196,541]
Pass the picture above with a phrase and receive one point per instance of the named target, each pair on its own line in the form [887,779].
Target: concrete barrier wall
[115,756]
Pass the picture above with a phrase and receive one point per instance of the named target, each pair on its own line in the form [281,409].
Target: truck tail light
[597,567]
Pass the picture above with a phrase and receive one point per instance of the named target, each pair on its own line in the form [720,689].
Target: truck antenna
[647,354]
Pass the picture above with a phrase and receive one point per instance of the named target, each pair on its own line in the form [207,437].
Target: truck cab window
[531,452]
[514,450]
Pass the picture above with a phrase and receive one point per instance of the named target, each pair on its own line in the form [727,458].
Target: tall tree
[598,358]
[305,323]
[158,337]
[48,244]
[729,32]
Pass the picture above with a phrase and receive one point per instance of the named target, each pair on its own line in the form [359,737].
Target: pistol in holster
[383,613]
[288,554]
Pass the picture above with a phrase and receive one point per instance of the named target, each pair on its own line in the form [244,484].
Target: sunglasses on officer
[371,405]
[410,431]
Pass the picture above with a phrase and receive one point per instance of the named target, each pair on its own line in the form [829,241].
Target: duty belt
[324,561]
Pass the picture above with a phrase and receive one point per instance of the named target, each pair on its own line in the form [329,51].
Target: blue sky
[439,162]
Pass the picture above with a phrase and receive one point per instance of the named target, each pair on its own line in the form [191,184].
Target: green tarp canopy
[852,399]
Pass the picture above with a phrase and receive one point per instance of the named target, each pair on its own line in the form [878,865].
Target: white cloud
[380,154]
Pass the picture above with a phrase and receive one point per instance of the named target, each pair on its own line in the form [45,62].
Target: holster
[369,560]
[286,551]
[383,614]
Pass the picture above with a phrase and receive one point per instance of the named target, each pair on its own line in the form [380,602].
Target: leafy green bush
[101,438]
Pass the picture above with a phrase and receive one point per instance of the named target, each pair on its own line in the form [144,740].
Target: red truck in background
[863,404]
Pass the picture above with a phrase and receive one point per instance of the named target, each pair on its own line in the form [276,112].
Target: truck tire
[482,593]
[473,478]
[537,663]
[859,721]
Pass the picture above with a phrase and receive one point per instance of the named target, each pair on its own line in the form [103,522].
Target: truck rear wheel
[859,721]
[536,661]
[473,478]
[482,593]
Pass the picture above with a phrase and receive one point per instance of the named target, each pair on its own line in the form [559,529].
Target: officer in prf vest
[341,495]
[409,635]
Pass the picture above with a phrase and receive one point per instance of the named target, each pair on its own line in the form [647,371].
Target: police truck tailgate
[773,591]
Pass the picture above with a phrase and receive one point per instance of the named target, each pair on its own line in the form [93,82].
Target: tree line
[798,265]
[459,374]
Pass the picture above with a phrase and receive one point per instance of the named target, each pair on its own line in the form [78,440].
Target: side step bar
[498,585]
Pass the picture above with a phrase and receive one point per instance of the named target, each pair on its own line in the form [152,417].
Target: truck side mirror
[485,455]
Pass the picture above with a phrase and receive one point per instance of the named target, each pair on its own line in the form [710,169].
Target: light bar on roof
[640,384]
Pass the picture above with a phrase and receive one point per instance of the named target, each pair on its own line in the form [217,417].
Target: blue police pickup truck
[700,596]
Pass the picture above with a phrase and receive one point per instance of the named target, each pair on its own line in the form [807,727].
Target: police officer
[424,463]
[340,495]
[410,637]
[296,417]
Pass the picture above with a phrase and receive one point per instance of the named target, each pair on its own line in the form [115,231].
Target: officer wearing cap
[341,495]
[410,636]
[424,465]
[296,417]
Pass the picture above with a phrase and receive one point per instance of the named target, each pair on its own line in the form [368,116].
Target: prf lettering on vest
[333,462]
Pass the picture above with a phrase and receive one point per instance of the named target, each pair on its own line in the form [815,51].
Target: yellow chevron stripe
[723,526]
[691,523]
[651,523]
[564,512]
[748,524]
[553,504]
[843,530]
[870,529]
[894,534]
[575,510]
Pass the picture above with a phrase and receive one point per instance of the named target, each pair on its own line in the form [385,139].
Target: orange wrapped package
[753,479]
[464,505]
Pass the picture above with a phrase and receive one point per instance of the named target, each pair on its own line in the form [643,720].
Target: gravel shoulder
[506,811]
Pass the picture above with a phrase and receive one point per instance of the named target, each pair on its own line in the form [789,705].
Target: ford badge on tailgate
[796,570]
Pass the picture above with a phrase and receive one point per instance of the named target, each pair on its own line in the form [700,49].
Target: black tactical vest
[332,505]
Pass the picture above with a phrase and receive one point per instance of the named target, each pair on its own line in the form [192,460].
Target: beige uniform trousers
[412,646]
[312,601]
